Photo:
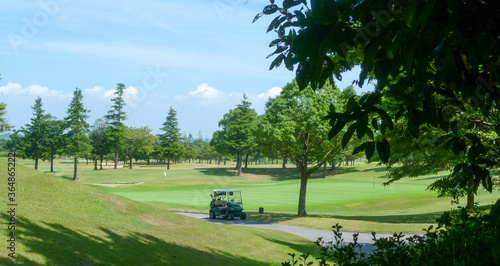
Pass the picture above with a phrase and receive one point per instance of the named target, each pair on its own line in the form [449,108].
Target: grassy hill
[62,222]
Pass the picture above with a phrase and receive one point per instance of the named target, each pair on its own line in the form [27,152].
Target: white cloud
[94,91]
[33,90]
[271,93]
[207,92]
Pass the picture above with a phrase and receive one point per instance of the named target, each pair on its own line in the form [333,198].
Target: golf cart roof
[225,190]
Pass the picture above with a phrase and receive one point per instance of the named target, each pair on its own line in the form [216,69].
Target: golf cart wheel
[211,215]
[230,216]
[243,216]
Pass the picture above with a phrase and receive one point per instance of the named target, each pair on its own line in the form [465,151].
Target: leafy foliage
[434,64]
[294,127]
[237,134]
[469,236]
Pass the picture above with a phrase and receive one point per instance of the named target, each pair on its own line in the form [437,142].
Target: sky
[198,57]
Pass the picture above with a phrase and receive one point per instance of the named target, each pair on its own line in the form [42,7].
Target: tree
[170,140]
[137,140]
[35,137]
[237,132]
[436,60]
[78,143]
[115,118]
[293,125]
[99,140]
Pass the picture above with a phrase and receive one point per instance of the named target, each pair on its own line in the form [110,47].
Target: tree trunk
[101,161]
[116,158]
[95,163]
[168,162]
[284,162]
[76,168]
[52,162]
[470,199]
[302,195]
[130,167]
[36,164]
[324,170]
[239,164]
[225,160]
[246,161]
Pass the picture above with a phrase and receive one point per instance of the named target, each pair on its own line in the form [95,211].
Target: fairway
[350,195]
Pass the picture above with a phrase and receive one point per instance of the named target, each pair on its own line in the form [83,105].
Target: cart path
[364,238]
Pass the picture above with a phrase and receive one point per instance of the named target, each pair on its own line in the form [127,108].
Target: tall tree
[293,124]
[36,133]
[137,140]
[437,60]
[237,134]
[116,116]
[99,140]
[170,140]
[78,143]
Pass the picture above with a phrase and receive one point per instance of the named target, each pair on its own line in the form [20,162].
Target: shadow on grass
[60,245]
[277,174]
[391,219]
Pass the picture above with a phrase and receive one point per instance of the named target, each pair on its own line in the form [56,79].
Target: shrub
[468,236]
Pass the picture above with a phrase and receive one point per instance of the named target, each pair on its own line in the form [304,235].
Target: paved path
[307,233]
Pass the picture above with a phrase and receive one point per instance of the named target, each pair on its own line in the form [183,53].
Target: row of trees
[45,137]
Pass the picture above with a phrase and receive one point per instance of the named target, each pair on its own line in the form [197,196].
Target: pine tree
[34,142]
[171,139]
[78,143]
[115,118]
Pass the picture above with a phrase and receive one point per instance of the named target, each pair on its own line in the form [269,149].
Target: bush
[463,237]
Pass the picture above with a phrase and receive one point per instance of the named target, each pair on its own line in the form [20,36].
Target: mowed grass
[62,222]
[351,196]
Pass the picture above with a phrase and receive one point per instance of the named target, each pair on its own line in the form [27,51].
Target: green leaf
[352,106]
[362,126]
[475,151]
[336,129]
[348,135]
[458,146]
[375,123]
[370,149]
[270,9]
[360,148]
[290,3]
[383,150]
[257,17]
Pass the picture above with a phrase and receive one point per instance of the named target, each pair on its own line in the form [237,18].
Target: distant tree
[136,141]
[189,149]
[115,117]
[15,144]
[98,137]
[36,134]
[170,139]
[237,134]
[294,126]
[77,140]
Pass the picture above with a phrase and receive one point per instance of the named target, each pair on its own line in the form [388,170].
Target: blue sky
[198,57]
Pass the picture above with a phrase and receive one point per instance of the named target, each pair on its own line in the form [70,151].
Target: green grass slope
[61,222]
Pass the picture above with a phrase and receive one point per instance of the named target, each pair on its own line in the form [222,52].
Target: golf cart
[226,203]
